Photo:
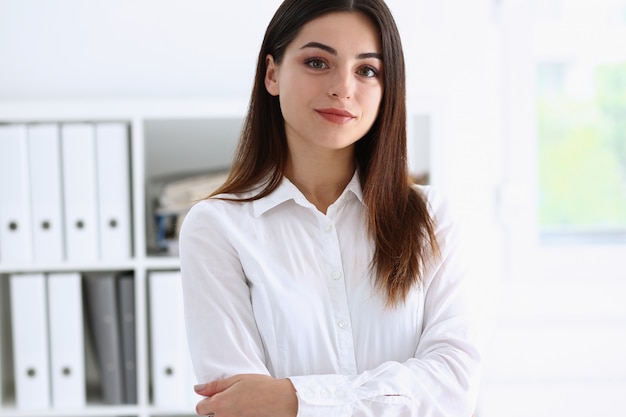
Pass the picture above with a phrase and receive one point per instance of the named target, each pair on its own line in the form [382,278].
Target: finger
[220,385]
[214,387]
[203,408]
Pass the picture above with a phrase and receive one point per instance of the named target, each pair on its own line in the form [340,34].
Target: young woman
[318,281]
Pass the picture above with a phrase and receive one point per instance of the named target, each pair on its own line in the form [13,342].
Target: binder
[113,172]
[15,227]
[78,151]
[30,341]
[67,349]
[102,306]
[126,297]
[44,160]
[5,325]
[169,364]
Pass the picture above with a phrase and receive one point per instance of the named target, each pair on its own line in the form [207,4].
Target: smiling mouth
[336,115]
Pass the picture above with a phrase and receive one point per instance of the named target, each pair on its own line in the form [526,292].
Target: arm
[442,376]
[439,380]
[221,330]
[228,354]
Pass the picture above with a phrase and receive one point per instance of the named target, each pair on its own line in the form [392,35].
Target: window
[581,87]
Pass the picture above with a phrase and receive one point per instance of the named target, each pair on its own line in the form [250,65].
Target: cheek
[373,102]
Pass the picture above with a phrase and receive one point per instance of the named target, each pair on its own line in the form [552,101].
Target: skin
[329,84]
[333,65]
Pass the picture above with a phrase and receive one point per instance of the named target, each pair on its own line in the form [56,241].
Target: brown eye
[316,63]
[367,71]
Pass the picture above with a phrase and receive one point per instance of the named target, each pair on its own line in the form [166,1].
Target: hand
[248,395]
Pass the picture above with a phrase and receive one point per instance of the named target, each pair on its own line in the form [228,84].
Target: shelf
[68,267]
[168,139]
[111,109]
[88,411]
[161,263]
[151,262]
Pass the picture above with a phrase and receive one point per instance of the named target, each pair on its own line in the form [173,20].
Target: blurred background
[517,112]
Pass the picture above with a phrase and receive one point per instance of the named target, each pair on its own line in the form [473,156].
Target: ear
[271,75]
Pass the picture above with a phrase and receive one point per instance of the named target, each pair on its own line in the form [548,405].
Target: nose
[341,84]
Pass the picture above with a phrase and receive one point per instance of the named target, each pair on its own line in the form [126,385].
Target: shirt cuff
[323,395]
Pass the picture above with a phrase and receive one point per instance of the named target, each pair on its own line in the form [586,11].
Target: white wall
[72,49]
[76,49]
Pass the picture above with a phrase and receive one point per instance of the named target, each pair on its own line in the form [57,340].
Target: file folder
[30,341]
[44,160]
[15,227]
[102,306]
[67,348]
[126,297]
[5,326]
[113,167]
[78,150]
[171,381]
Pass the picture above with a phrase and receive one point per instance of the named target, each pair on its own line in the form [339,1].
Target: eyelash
[314,63]
[374,71]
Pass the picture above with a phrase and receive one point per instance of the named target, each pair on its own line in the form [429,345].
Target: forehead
[352,30]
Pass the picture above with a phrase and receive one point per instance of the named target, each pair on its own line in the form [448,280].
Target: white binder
[79,192]
[112,151]
[30,341]
[15,228]
[171,382]
[44,160]
[5,307]
[67,350]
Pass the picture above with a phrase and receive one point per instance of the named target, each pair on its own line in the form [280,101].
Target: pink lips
[336,115]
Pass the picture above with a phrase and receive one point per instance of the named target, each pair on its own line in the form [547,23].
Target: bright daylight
[135,281]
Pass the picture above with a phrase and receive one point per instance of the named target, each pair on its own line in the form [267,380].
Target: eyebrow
[333,51]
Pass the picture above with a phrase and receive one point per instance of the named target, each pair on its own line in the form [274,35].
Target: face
[329,82]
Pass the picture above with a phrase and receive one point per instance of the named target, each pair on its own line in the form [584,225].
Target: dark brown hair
[398,217]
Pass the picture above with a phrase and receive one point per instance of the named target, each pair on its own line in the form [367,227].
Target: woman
[317,280]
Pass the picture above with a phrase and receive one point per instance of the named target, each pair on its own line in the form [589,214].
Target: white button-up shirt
[276,287]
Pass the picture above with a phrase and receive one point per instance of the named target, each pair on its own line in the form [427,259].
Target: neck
[321,179]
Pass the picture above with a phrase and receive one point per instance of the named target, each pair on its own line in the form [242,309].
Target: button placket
[339,296]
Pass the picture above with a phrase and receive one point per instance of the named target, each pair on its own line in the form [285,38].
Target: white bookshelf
[166,137]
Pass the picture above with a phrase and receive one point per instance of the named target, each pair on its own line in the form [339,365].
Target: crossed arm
[248,395]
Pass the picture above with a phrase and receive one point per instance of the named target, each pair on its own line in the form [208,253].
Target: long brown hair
[398,217]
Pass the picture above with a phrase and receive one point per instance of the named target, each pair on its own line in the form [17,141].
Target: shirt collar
[286,191]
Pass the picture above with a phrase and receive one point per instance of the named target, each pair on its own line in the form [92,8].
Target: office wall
[72,49]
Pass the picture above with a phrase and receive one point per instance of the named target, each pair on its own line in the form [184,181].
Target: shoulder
[220,207]
[214,213]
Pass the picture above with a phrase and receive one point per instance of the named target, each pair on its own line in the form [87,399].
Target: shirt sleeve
[214,285]
[442,378]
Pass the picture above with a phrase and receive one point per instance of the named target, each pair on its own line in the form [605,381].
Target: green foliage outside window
[582,156]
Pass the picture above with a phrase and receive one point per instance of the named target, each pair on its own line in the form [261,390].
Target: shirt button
[336,275]
[342,324]
[340,394]
[325,394]
[328,227]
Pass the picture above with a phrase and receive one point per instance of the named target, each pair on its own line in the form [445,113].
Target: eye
[368,71]
[316,63]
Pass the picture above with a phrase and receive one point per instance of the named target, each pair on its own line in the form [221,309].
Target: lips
[338,116]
